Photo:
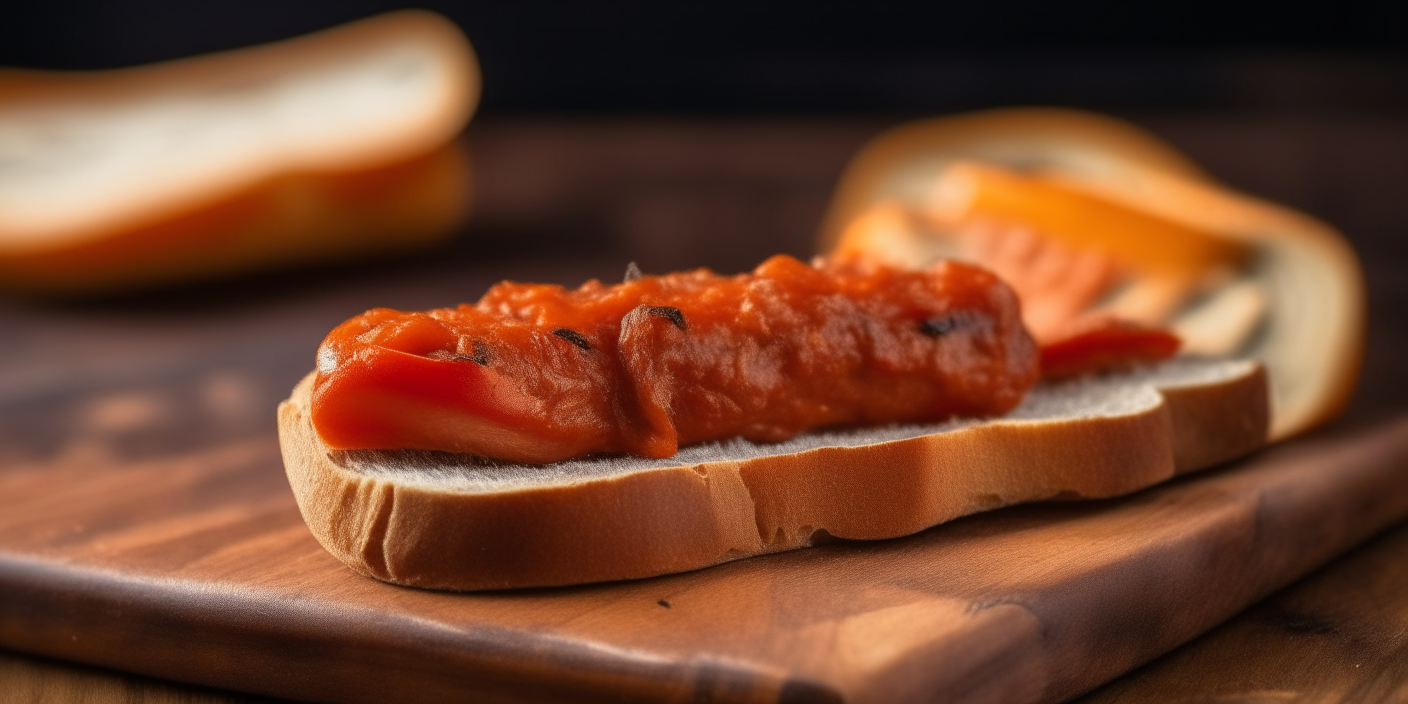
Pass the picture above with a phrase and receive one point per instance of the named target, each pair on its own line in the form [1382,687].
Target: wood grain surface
[145,523]
[1339,636]
[25,679]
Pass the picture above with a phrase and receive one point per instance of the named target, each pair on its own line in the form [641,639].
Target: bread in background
[1092,216]
[327,146]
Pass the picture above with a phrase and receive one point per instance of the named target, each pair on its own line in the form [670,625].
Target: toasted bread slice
[1287,289]
[445,521]
[331,144]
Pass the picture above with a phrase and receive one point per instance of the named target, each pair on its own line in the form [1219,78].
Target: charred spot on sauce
[574,337]
[480,356]
[669,313]
[938,327]
[448,356]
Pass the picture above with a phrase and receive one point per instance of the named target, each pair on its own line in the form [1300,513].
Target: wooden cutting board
[196,566]
[146,525]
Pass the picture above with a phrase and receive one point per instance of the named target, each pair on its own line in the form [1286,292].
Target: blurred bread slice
[1285,289]
[323,146]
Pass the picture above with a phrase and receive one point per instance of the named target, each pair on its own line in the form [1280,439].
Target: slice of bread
[322,146]
[438,520]
[1296,302]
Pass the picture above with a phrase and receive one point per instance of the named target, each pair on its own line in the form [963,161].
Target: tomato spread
[538,373]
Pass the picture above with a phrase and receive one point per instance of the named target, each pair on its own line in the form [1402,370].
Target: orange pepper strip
[969,192]
[1107,345]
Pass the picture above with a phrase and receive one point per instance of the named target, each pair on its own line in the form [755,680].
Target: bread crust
[671,519]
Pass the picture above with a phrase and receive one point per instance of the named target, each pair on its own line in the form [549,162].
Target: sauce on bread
[539,373]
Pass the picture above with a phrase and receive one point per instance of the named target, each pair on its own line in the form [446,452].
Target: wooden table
[144,378]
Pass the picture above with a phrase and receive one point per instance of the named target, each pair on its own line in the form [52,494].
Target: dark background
[834,58]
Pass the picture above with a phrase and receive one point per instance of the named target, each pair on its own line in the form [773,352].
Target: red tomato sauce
[1105,345]
[539,373]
